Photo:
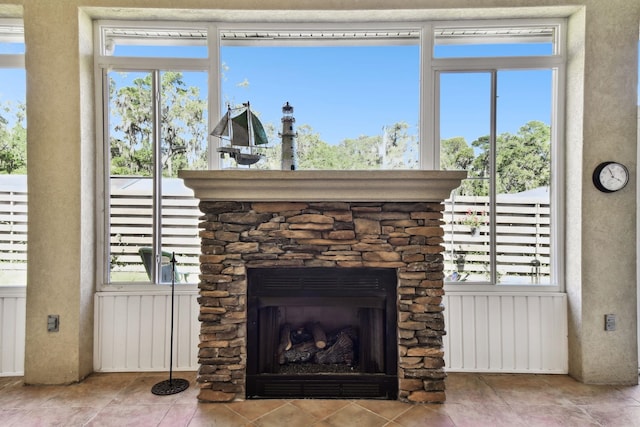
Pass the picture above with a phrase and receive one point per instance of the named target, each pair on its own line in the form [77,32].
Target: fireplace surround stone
[330,225]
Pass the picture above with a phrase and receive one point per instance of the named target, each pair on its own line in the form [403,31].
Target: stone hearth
[321,219]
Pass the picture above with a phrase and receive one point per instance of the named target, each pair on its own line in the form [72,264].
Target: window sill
[124,288]
[487,288]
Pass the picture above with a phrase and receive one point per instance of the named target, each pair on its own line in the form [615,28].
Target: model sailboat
[242,130]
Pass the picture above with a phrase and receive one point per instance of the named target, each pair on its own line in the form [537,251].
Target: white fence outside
[131,216]
[13,230]
[523,232]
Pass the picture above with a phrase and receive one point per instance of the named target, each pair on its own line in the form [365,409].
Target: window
[153,42]
[468,41]
[355,93]
[13,156]
[156,116]
[485,97]
[500,226]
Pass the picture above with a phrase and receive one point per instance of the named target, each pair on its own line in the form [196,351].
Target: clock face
[610,177]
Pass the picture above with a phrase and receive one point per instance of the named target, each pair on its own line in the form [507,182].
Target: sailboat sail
[242,130]
[241,136]
[222,128]
[241,121]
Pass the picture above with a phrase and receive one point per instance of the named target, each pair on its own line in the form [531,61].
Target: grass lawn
[129,276]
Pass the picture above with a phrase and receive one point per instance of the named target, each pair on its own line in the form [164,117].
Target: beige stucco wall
[607,221]
[601,124]
[61,273]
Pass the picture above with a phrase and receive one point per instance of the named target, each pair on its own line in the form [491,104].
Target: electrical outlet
[609,322]
[53,323]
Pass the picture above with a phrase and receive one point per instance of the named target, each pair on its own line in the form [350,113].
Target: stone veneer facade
[237,236]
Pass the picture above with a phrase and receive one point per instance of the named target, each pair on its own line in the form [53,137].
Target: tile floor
[120,399]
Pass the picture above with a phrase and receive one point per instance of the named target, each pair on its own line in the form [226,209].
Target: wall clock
[609,177]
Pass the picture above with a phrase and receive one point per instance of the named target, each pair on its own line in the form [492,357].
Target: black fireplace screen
[322,332]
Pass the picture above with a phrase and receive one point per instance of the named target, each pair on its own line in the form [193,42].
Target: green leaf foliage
[183,127]
[13,138]
[522,160]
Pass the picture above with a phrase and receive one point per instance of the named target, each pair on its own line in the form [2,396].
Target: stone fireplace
[332,221]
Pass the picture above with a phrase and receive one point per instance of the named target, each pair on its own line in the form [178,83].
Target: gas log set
[303,348]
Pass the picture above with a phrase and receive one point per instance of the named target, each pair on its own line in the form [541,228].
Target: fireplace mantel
[331,219]
[301,186]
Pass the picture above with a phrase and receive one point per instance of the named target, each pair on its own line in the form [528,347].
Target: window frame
[14,61]
[103,64]
[557,63]
[428,104]
[421,28]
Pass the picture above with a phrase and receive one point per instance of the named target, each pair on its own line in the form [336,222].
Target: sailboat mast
[229,123]
[250,127]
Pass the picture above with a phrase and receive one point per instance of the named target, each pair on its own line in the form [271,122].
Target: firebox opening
[322,332]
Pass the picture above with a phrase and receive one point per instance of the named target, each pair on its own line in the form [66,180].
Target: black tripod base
[171,386]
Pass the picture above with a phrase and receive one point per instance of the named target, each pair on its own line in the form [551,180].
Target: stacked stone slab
[237,236]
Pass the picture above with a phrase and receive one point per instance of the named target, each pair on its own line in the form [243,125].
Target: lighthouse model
[288,136]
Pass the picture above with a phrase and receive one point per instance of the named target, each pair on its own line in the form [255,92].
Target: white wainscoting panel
[486,332]
[12,330]
[506,332]
[132,331]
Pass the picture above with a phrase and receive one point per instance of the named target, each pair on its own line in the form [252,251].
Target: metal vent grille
[361,390]
[281,389]
[122,35]
[270,281]
[511,34]
[11,33]
[329,388]
[239,35]
[319,283]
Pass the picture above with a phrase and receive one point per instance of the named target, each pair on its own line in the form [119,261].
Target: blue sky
[341,92]
[465,102]
[347,92]
[343,101]
[351,91]
[12,84]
